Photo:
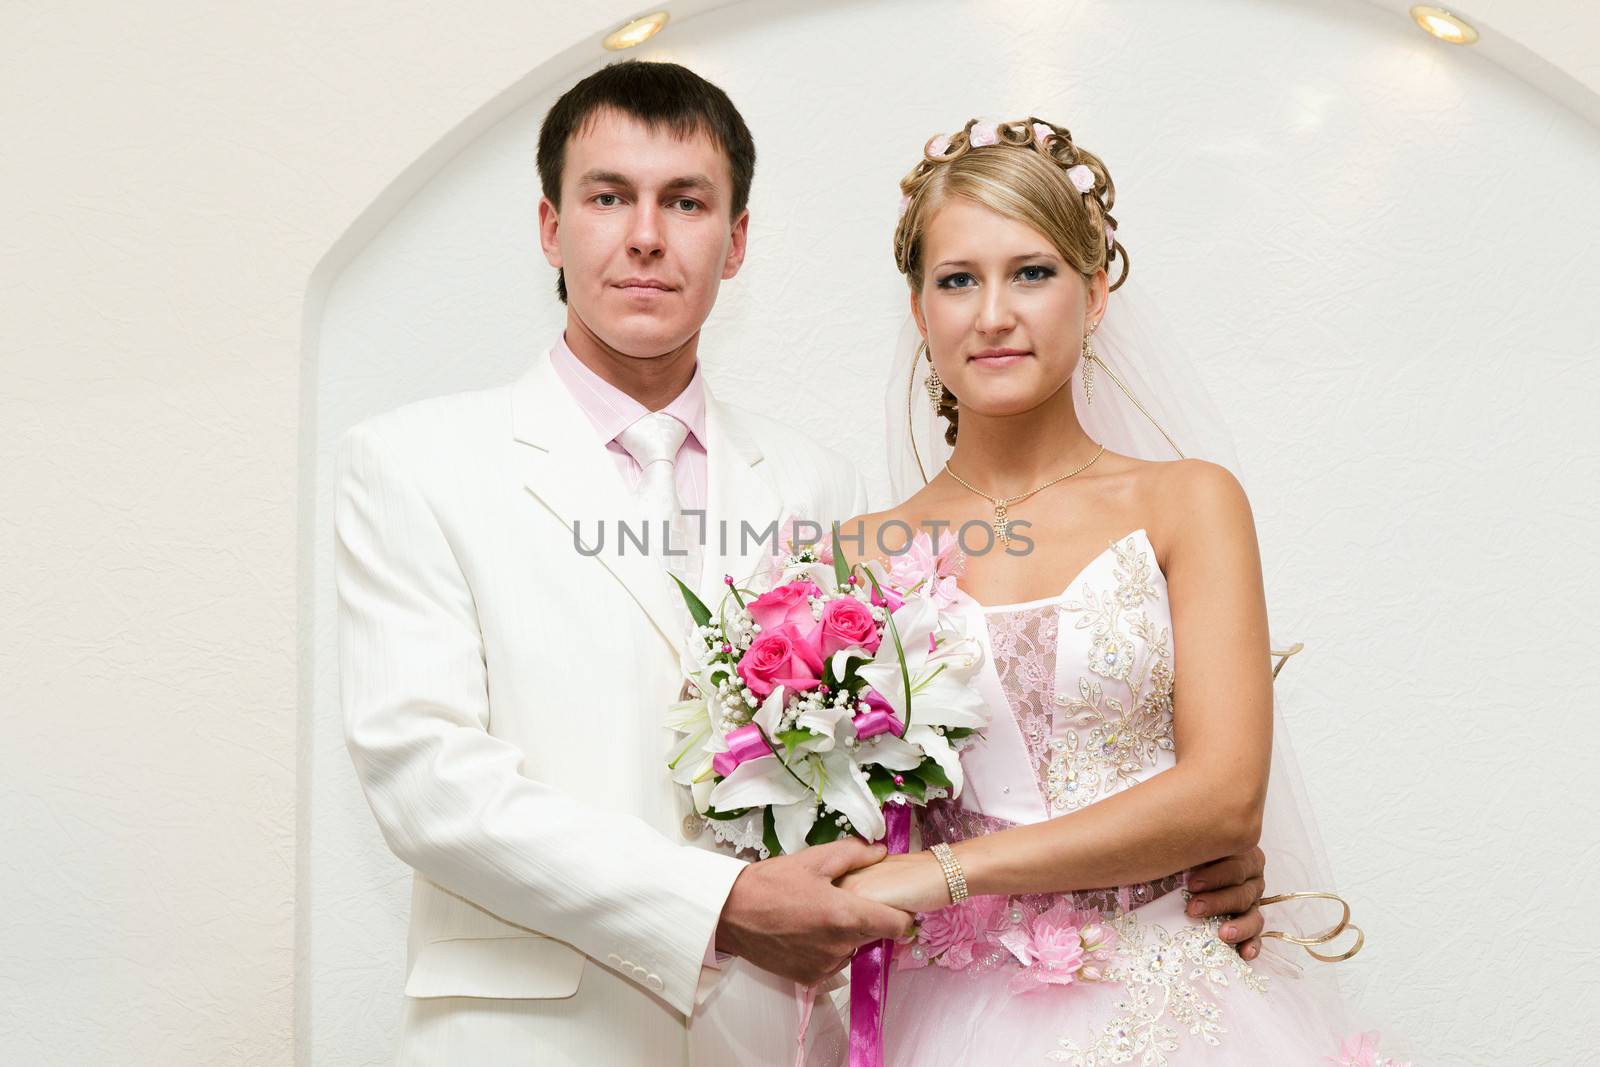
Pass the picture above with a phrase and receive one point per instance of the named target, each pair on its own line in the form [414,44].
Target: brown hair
[1025,173]
[660,95]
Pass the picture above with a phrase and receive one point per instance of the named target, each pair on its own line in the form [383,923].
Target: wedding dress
[1080,692]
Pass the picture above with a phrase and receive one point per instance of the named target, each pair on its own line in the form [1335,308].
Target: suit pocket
[503,968]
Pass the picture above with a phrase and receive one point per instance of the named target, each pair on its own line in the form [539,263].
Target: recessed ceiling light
[638,31]
[1444,25]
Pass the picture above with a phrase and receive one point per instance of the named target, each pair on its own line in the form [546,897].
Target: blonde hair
[1028,170]
[1022,175]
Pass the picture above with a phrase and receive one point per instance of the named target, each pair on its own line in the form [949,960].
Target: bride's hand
[912,882]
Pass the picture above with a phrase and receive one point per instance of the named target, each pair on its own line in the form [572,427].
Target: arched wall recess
[1322,276]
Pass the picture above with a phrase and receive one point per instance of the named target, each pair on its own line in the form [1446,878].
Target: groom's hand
[786,916]
[1232,887]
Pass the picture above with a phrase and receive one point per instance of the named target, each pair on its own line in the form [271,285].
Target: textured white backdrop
[177,181]
[1377,251]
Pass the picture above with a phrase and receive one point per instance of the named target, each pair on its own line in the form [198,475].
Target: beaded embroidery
[1114,738]
[1168,978]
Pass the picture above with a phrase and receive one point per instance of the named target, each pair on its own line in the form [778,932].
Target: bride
[1117,591]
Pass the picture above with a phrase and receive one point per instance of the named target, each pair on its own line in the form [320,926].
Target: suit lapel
[571,474]
[738,490]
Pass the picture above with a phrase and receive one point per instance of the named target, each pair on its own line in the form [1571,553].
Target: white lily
[939,692]
[824,722]
[767,782]
[691,756]
[792,790]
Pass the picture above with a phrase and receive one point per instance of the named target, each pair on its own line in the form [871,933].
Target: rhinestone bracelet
[954,877]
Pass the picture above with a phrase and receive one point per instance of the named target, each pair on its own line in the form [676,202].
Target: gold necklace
[1002,519]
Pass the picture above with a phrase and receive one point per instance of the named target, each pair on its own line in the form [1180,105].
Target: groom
[504,684]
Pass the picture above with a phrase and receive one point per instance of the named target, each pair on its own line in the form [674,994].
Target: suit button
[640,973]
[653,981]
[692,824]
[614,959]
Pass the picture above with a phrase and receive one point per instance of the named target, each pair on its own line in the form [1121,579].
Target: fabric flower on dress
[949,936]
[1057,946]
[1361,1050]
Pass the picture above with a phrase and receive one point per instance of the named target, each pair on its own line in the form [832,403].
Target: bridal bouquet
[827,700]
[826,703]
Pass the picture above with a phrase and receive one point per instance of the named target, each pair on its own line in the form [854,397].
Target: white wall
[1379,245]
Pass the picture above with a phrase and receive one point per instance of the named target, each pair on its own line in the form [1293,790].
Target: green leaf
[956,733]
[792,739]
[899,649]
[933,774]
[769,833]
[850,665]
[881,784]
[841,571]
[911,785]
[823,831]
[723,816]
[697,608]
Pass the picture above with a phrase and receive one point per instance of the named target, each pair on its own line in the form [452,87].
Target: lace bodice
[1087,678]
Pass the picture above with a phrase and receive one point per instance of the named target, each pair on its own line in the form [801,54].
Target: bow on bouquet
[828,704]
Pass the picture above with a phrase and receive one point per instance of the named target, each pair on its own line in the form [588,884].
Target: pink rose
[785,606]
[781,656]
[847,623]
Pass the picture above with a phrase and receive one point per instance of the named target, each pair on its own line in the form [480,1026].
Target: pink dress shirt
[611,411]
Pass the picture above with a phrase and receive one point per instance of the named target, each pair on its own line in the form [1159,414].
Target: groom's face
[643,233]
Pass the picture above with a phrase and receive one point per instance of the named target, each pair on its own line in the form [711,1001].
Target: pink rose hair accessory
[983,134]
[1081,177]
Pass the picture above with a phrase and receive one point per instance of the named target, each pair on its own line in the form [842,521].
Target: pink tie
[653,441]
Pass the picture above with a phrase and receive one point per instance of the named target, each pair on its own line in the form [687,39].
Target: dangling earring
[935,383]
[1088,357]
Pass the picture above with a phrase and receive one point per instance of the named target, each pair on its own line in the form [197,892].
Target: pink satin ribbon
[869,967]
[745,743]
[875,722]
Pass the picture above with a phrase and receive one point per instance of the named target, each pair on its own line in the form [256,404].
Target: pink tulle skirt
[1173,993]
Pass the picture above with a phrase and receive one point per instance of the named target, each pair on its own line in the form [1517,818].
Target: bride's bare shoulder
[1195,501]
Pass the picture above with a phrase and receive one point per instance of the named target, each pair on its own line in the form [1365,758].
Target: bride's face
[1002,311]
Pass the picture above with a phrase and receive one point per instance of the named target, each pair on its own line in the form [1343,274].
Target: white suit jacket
[503,695]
